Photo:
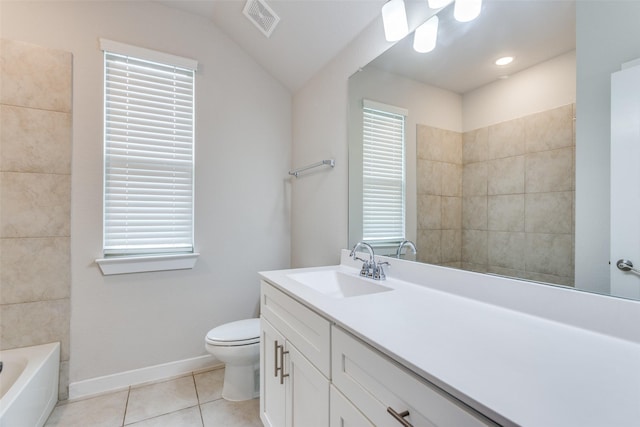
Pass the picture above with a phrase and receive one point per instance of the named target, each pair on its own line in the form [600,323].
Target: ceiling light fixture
[438,4]
[467,10]
[426,35]
[505,60]
[394,19]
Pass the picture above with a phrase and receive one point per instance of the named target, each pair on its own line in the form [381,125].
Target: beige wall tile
[452,147]
[429,177]
[33,76]
[35,323]
[429,248]
[439,144]
[549,254]
[63,382]
[506,249]
[457,264]
[475,146]
[506,213]
[507,272]
[451,179]
[451,246]
[474,247]
[548,278]
[548,171]
[474,213]
[549,129]
[478,268]
[506,139]
[35,140]
[430,212]
[34,269]
[549,212]
[34,205]
[474,179]
[451,213]
[506,176]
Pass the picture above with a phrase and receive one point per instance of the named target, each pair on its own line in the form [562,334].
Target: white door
[625,180]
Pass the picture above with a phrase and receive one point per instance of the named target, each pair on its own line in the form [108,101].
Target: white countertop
[516,368]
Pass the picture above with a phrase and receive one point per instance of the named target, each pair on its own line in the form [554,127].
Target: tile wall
[518,197]
[439,204]
[35,198]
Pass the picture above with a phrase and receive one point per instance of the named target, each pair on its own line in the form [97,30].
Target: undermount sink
[337,284]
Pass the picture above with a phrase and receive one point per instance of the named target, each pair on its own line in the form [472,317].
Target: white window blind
[383,182]
[149,156]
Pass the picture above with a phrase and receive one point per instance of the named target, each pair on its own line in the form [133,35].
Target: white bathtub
[28,385]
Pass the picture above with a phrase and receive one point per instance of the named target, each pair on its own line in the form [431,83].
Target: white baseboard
[122,380]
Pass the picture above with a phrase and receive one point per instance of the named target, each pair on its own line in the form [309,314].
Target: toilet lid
[241,332]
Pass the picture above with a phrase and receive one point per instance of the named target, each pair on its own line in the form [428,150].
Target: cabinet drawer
[374,383]
[306,330]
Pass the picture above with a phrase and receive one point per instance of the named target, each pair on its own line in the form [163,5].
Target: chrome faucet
[404,243]
[370,268]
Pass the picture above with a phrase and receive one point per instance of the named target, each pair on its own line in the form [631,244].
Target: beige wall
[242,209]
[35,198]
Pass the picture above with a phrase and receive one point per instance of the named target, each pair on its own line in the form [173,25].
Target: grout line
[126,406]
[197,397]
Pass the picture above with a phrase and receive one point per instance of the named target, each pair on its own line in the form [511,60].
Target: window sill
[141,264]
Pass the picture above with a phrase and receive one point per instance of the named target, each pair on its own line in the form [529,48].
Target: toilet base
[241,382]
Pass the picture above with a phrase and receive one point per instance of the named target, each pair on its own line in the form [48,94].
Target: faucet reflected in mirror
[407,243]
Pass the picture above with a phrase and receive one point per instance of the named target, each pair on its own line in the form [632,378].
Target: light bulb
[467,10]
[425,36]
[438,4]
[505,60]
[394,18]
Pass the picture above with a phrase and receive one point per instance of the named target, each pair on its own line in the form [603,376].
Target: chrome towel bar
[329,162]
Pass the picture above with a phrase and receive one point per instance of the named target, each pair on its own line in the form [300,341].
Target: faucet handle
[378,271]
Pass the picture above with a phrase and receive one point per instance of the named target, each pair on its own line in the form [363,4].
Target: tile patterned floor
[189,401]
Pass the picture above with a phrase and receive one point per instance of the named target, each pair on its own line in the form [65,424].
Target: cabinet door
[307,392]
[272,393]
[344,414]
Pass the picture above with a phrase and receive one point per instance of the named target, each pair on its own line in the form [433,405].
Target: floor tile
[222,413]
[189,417]
[102,411]
[160,398]
[209,385]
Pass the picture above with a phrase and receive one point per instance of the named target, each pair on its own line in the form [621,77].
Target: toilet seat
[241,332]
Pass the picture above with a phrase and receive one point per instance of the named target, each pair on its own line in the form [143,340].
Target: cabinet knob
[399,416]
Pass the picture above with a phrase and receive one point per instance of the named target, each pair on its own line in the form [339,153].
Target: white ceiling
[310,32]
[463,60]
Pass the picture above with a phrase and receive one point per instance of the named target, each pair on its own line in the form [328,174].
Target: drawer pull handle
[282,374]
[400,416]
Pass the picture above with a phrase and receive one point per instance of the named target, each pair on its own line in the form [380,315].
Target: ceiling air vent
[262,16]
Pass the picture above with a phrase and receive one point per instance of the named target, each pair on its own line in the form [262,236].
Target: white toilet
[237,344]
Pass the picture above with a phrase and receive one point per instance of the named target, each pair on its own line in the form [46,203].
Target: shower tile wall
[518,197]
[35,198]
[439,187]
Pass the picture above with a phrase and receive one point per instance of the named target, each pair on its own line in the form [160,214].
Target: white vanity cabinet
[314,373]
[295,362]
[389,394]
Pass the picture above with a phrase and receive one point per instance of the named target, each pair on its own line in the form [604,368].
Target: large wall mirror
[490,162]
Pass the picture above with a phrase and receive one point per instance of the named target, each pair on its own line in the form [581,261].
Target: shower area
[500,199]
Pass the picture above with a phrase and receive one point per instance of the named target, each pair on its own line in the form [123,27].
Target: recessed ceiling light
[505,60]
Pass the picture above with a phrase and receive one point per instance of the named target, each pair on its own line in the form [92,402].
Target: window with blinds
[383,173]
[148,152]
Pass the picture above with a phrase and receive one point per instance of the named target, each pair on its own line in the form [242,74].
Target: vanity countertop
[515,367]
